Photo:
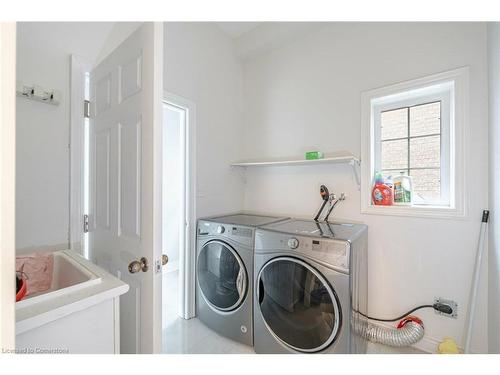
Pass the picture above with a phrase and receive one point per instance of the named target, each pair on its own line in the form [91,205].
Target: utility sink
[79,313]
[68,276]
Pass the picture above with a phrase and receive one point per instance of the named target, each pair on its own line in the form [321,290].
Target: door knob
[164,259]
[138,265]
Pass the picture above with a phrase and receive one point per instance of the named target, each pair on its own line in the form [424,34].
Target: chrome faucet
[333,202]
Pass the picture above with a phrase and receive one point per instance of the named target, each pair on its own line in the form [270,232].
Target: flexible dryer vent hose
[408,332]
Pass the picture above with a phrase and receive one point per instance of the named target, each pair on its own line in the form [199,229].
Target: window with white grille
[416,128]
[413,140]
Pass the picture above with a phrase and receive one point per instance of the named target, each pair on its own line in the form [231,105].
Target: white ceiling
[271,35]
[236,29]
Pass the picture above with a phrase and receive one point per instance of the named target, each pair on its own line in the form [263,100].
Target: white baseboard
[428,344]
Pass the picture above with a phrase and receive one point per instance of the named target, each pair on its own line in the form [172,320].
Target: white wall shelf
[347,158]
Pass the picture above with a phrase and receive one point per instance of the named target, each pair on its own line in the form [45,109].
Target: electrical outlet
[448,302]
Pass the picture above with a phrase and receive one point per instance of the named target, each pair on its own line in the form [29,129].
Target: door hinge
[85,223]
[86,109]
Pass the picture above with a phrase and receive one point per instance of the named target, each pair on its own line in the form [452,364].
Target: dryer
[224,273]
[310,283]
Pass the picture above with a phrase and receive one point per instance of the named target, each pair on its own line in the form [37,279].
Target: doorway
[177,216]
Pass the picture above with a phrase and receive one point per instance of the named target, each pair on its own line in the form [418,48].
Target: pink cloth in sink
[38,269]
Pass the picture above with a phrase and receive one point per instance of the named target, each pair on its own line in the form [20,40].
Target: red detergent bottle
[382,193]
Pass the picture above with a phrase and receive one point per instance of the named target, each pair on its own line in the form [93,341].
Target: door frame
[79,68]
[187,255]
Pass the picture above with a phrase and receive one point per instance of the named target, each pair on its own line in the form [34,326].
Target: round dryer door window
[298,305]
[221,275]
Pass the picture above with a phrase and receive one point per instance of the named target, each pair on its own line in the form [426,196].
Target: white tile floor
[191,336]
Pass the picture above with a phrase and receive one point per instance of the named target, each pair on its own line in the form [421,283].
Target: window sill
[438,212]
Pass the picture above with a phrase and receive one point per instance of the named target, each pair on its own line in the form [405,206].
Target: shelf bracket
[355,165]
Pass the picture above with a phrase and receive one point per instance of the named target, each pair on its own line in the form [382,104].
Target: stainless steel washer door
[221,276]
[298,305]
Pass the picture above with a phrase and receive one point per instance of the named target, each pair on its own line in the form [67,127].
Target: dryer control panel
[329,252]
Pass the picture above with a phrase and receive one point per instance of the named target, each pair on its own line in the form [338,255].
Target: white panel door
[125,96]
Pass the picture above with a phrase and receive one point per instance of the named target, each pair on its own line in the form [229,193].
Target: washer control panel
[293,243]
[241,234]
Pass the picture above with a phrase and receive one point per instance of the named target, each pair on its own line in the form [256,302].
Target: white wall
[306,96]
[494,226]
[200,65]
[42,170]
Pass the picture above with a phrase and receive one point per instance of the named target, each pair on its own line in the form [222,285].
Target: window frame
[451,88]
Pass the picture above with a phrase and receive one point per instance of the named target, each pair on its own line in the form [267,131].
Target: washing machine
[224,273]
[310,286]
